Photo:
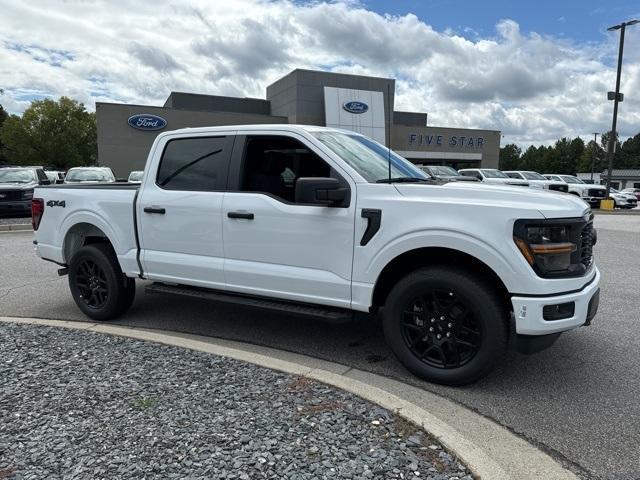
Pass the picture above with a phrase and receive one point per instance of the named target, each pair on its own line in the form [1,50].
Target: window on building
[273,164]
[636,184]
[194,164]
[615,185]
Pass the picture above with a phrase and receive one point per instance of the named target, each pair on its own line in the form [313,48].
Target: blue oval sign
[146,121]
[355,107]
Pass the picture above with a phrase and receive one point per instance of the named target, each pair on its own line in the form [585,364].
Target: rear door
[180,210]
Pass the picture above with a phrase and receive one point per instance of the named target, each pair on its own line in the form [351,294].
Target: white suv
[538,181]
[592,194]
[492,176]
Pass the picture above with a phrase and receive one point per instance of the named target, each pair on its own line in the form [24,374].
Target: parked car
[135,176]
[492,176]
[537,181]
[634,191]
[445,174]
[55,176]
[623,199]
[16,188]
[453,268]
[592,194]
[89,175]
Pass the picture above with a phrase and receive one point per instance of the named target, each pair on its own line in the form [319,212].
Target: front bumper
[528,311]
[15,206]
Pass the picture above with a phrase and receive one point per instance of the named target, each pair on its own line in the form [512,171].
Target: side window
[273,164]
[195,164]
[514,175]
[41,175]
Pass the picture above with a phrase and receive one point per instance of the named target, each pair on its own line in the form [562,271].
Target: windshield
[135,176]
[533,176]
[492,173]
[442,170]
[369,158]
[571,179]
[89,175]
[23,175]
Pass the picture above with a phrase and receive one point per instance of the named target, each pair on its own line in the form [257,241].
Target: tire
[97,283]
[432,302]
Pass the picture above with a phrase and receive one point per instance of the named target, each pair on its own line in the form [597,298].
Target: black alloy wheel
[97,283]
[91,281]
[440,329]
[446,324]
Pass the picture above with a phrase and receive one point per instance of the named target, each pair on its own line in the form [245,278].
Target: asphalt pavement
[577,400]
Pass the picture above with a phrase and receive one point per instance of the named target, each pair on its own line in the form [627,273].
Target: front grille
[559,188]
[597,192]
[9,195]
[586,245]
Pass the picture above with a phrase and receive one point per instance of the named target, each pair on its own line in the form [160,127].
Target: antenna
[388,129]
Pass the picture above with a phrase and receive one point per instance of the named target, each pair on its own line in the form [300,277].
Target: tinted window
[273,164]
[513,175]
[198,164]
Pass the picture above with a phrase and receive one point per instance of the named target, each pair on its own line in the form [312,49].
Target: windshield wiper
[404,180]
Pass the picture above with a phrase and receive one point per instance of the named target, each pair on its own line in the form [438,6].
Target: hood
[549,204]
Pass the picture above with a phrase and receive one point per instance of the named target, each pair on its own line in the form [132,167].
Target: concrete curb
[16,227]
[635,211]
[489,450]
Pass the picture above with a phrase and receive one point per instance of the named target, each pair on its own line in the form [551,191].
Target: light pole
[616,99]
[593,153]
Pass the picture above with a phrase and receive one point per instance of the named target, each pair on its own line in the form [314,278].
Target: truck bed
[109,208]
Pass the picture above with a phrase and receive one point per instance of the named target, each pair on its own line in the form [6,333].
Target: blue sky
[579,20]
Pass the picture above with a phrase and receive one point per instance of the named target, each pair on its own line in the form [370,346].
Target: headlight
[553,248]
[27,194]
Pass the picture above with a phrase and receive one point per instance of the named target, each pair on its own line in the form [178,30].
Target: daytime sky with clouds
[536,74]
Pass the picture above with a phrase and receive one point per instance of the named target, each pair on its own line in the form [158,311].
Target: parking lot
[577,400]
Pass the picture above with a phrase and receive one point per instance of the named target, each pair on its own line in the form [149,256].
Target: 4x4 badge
[56,203]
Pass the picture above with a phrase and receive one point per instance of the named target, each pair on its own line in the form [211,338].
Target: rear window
[195,164]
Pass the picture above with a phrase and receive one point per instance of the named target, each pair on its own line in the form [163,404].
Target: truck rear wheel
[445,325]
[97,283]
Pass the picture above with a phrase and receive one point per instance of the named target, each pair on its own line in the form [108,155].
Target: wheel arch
[412,260]
[81,234]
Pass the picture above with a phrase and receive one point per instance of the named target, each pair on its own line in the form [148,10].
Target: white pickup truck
[322,222]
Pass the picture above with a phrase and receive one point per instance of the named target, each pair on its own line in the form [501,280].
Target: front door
[180,211]
[275,247]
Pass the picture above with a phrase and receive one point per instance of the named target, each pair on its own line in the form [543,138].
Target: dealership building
[352,102]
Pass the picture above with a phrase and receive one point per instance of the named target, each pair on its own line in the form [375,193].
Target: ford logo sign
[146,121]
[355,107]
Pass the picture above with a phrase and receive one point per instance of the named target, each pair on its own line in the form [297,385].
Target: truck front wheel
[445,325]
[97,283]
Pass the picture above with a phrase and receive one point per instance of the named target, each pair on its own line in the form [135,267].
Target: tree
[510,157]
[630,153]
[592,152]
[58,134]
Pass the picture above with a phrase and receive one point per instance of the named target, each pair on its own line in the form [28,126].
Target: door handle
[154,210]
[245,215]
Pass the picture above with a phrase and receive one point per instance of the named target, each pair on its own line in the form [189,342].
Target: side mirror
[321,191]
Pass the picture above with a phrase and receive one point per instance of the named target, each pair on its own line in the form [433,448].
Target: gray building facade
[354,102]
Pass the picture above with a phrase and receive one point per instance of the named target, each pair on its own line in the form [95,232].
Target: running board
[329,314]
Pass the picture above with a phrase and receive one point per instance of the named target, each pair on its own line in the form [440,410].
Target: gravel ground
[14,220]
[77,404]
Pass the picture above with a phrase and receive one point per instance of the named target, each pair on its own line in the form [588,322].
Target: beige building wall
[448,146]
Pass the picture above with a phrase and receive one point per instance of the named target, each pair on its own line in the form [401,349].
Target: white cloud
[535,88]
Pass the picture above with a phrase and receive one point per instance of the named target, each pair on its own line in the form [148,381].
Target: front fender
[455,240]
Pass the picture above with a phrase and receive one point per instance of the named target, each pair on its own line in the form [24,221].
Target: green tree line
[58,134]
[571,156]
